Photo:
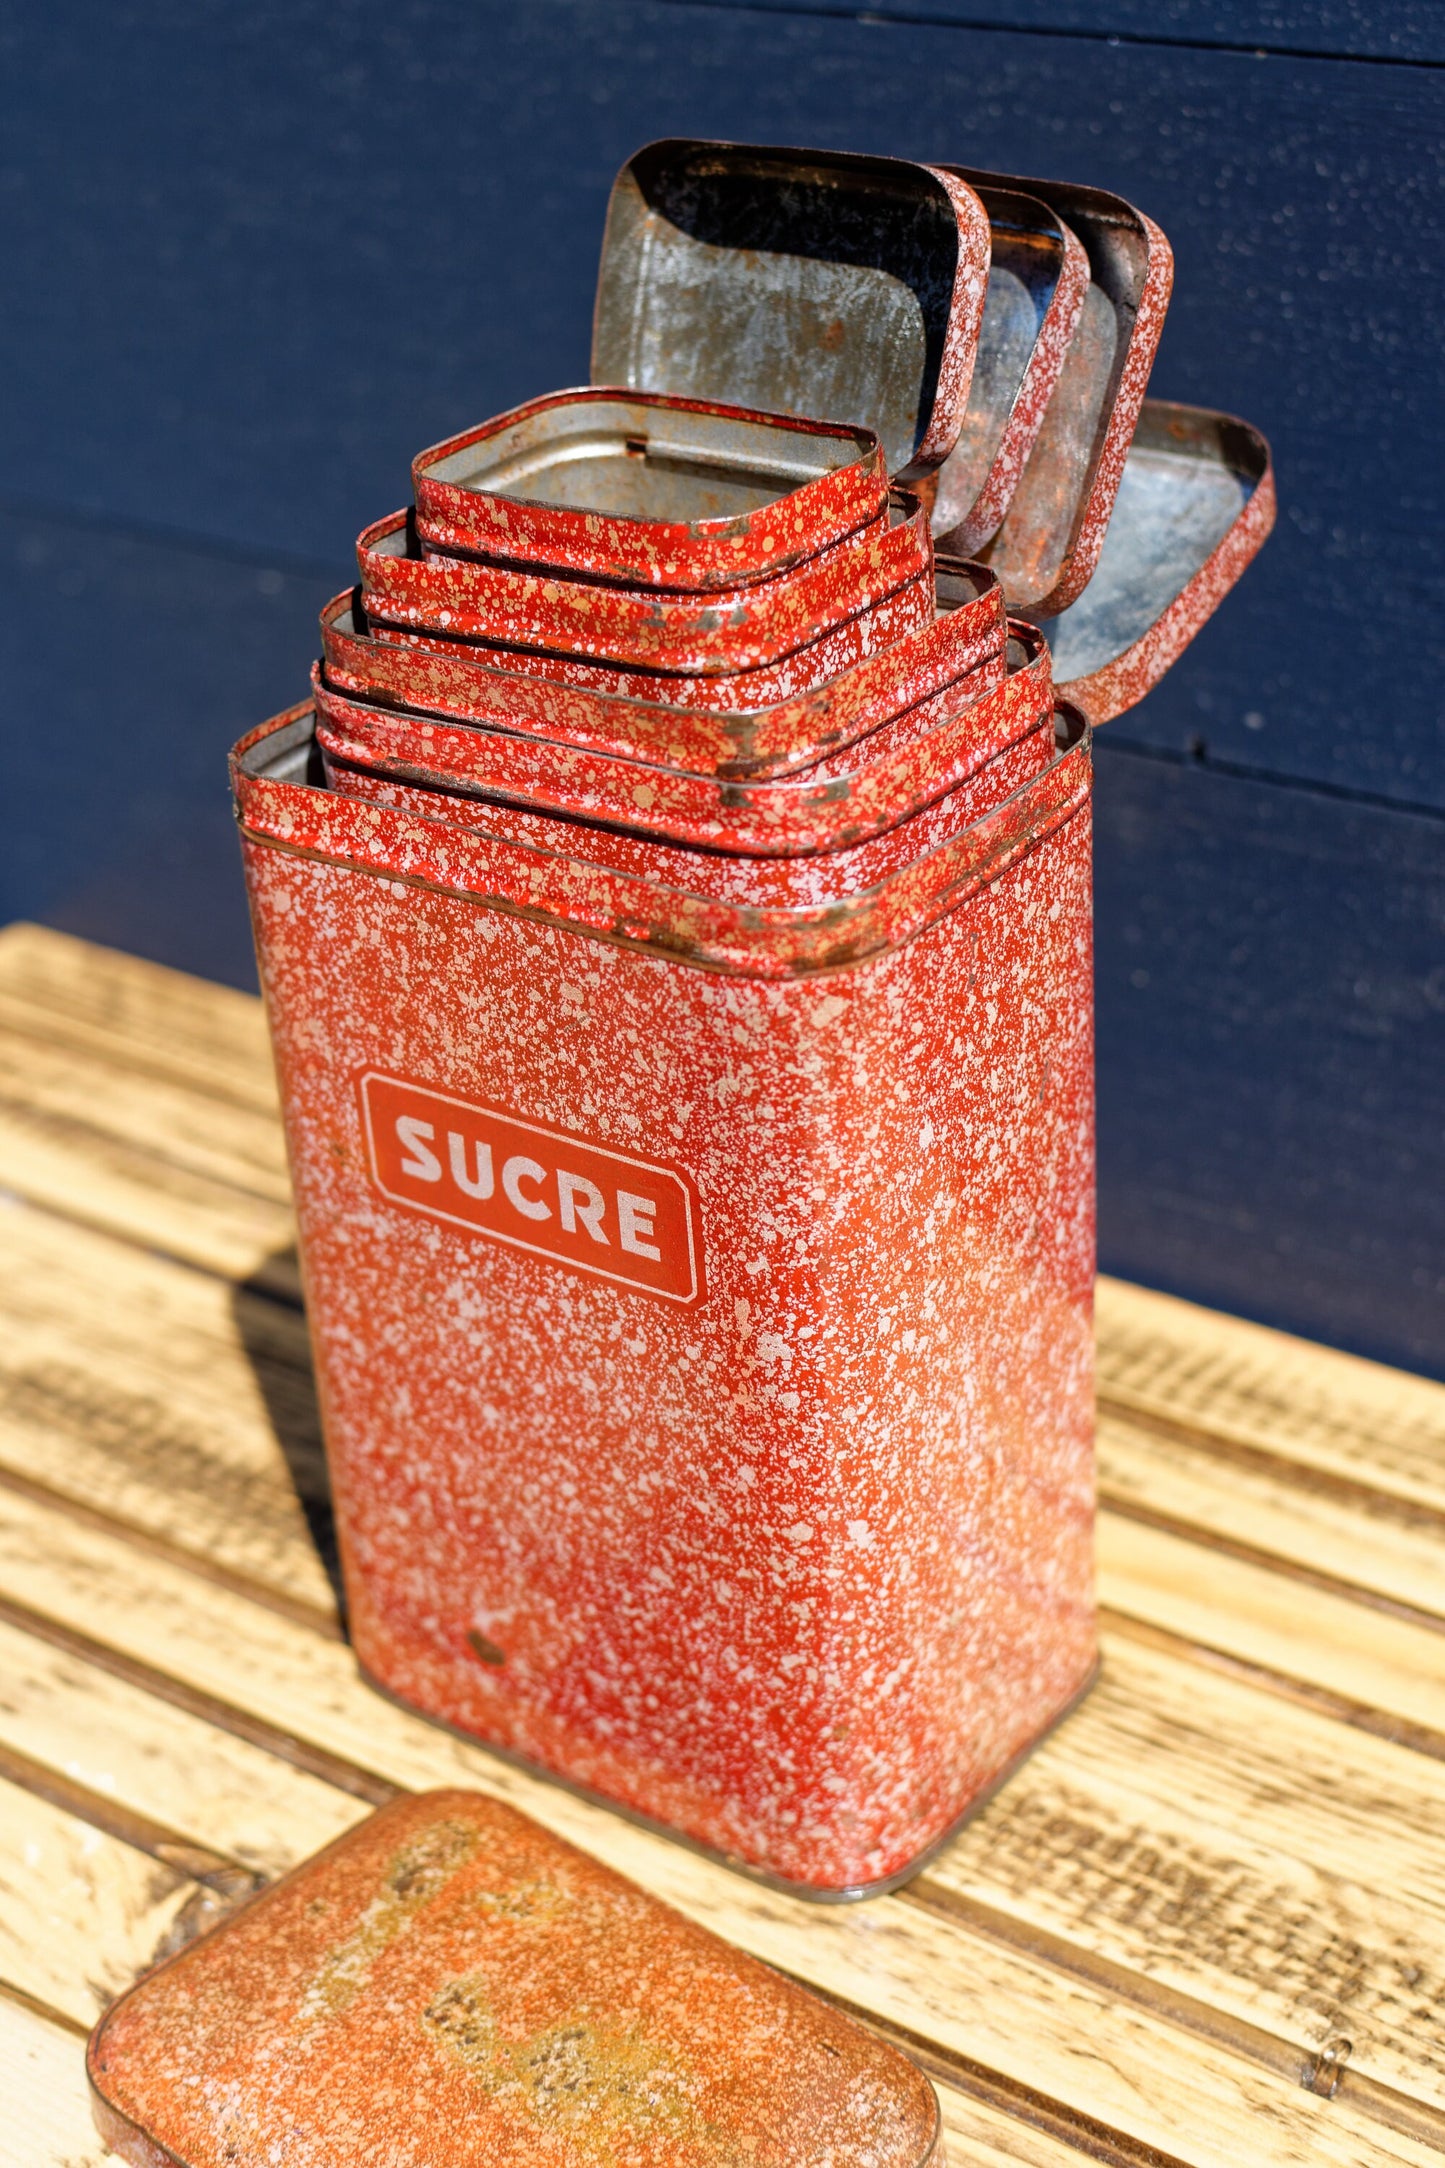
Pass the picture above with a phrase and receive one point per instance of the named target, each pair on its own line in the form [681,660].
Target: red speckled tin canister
[922,757]
[700,1285]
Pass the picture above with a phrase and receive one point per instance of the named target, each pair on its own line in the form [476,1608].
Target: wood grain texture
[1234,1383]
[81,1913]
[164,1397]
[161,1762]
[99,1001]
[95,1125]
[1148,1947]
[1280,1623]
[46,2104]
[1077,2042]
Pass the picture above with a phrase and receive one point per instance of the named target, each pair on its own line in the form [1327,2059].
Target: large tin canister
[674,922]
[700,1289]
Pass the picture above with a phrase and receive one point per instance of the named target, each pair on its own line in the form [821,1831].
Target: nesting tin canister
[701,1294]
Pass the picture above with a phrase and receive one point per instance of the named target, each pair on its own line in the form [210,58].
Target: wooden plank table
[1206,1924]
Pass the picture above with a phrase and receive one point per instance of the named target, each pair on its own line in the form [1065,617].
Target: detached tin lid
[798,282]
[1195,505]
[450,1986]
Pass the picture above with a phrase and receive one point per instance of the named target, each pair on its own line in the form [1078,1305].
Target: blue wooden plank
[128,666]
[1271,1019]
[1410,31]
[257,257]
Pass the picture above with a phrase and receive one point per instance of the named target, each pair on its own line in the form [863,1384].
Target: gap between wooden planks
[162,1031]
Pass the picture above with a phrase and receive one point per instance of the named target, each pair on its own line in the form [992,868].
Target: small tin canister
[701,725]
[878,783]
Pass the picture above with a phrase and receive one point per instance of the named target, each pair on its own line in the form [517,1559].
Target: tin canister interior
[648,460]
[1195,504]
[1038,281]
[1048,545]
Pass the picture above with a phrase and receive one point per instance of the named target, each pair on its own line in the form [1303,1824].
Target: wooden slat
[81,1912]
[44,2106]
[94,1171]
[1242,1863]
[132,1297]
[158,1394]
[1243,1384]
[1280,1623]
[1316,1522]
[137,1014]
[142,1101]
[162,1762]
[1074,2041]
[1222,1889]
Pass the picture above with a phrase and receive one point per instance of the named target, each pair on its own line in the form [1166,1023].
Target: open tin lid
[1195,504]
[797,282]
[1048,545]
[1038,283]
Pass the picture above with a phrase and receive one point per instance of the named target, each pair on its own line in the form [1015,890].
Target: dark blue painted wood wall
[256,254]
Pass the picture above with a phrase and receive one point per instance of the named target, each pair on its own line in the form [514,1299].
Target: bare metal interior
[1026,259]
[628,460]
[1184,486]
[795,283]
[1041,532]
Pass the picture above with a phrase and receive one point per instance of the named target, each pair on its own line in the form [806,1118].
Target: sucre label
[543,1190]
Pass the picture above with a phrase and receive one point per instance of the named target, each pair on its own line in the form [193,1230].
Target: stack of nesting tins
[673,909]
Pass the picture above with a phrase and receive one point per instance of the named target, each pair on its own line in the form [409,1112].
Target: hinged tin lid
[843,288]
[1195,504]
[1038,283]
[1047,547]
[451,1986]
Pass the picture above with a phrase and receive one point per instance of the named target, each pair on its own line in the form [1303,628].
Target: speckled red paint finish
[713,731]
[450,1986]
[634,552]
[797,1570]
[837,803]
[838,591]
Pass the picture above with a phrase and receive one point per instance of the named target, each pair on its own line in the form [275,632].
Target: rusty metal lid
[1047,547]
[797,282]
[1038,282]
[450,1986]
[1195,504]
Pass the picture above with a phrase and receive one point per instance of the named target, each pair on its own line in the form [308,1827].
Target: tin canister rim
[281,804]
[810,483]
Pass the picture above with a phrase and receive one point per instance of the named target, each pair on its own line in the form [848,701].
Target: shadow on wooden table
[272,1333]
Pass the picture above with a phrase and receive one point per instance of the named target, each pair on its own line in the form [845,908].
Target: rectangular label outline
[691,1201]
